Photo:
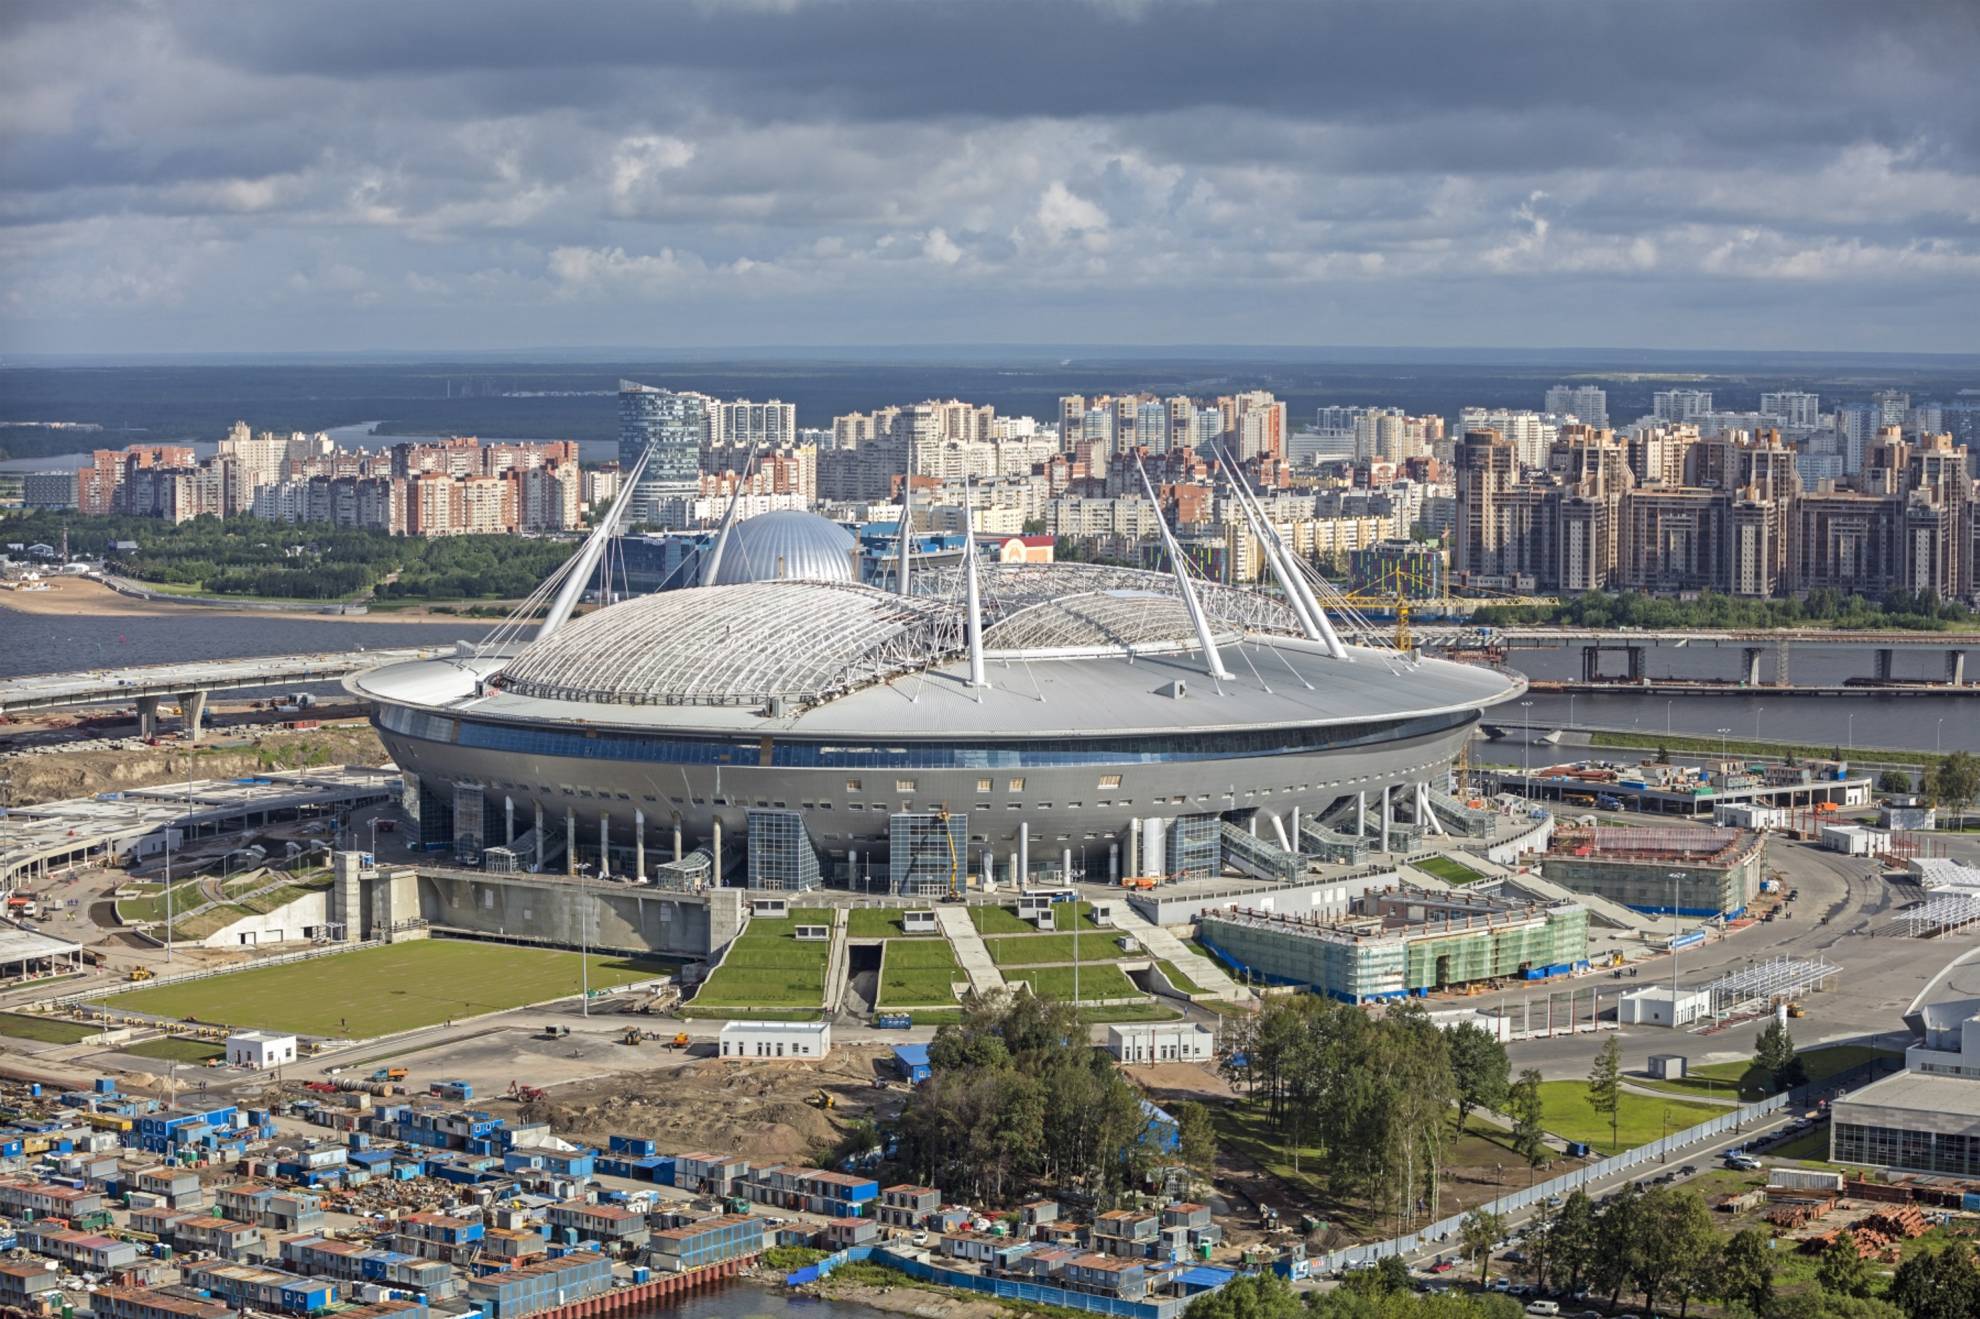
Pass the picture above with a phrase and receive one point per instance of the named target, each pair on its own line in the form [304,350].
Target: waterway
[53,644]
[1910,722]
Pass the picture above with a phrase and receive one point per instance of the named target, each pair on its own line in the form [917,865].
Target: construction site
[1403,941]
[1661,869]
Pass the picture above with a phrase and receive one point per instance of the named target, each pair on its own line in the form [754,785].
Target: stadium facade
[789,727]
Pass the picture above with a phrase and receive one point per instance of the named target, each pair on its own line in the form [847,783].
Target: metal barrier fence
[1009,1289]
[1444,1229]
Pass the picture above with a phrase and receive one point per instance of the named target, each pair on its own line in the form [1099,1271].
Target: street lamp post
[1667,718]
[1852,730]
[1722,742]
[1758,710]
[1526,752]
[1937,729]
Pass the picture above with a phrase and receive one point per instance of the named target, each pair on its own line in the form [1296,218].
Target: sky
[181,176]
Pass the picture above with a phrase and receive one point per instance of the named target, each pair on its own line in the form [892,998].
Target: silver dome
[787,545]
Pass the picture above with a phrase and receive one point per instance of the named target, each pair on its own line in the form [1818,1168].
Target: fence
[1009,1289]
[1444,1229]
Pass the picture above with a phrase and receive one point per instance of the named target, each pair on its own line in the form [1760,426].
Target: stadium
[786,726]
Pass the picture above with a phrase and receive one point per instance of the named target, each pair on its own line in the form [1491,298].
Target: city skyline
[1790,177]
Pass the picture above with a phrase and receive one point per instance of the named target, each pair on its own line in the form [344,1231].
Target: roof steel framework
[1943,913]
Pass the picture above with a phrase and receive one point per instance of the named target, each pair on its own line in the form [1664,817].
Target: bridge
[189,683]
[1754,643]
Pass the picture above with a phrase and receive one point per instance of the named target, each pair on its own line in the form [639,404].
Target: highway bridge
[189,683]
[1633,644]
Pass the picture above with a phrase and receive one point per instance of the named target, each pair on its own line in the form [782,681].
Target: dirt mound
[56,775]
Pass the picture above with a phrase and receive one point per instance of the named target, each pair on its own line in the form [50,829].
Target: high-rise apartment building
[1680,404]
[1587,404]
[1797,410]
[671,427]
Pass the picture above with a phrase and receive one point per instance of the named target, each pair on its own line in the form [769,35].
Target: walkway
[1602,909]
[1167,947]
[957,928]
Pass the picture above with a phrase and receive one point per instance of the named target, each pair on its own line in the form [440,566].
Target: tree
[1663,755]
[1938,1284]
[1842,1270]
[1479,1232]
[1774,1055]
[1387,1276]
[1679,1246]
[1955,780]
[1612,1261]
[1249,1296]
[1746,1271]
[1605,1090]
[1479,1068]
[1196,1141]
[1894,783]
[1524,1107]
[1571,1240]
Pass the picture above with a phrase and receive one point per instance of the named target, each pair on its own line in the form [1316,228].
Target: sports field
[377,991]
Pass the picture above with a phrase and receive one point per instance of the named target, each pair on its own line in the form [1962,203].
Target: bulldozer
[632,1035]
[680,1040]
[823,1099]
[137,973]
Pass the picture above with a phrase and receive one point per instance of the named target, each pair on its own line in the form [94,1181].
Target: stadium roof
[786,545]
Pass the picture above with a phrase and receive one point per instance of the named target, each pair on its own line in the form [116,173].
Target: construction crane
[949,837]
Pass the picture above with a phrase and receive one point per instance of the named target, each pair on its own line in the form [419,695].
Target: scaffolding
[1769,983]
[1257,857]
[780,852]
[927,853]
[1942,913]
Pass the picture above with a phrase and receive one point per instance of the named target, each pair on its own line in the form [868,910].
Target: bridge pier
[1591,662]
[1884,654]
[570,841]
[1752,654]
[192,711]
[1781,661]
[147,708]
[1956,667]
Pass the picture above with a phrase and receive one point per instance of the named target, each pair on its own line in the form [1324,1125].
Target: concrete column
[1278,830]
[604,843]
[1134,848]
[1361,815]
[1065,866]
[715,839]
[1114,862]
[1426,816]
[1024,851]
[1014,870]
[1386,817]
[1956,667]
[1294,822]
[677,839]
[1151,845]
[1752,654]
[1781,661]
[539,836]
[1883,663]
[1591,663]
[192,712]
[570,841]
[639,846]
[147,708]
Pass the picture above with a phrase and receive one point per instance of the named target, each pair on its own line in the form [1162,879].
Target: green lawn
[1641,1119]
[692,1013]
[149,905]
[378,991]
[936,1016]
[1812,1145]
[175,1051]
[1045,949]
[1094,982]
[880,923]
[1128,1012]
[990,919]
[1449,869]
[921,972]
[1065,915]
[45,1029]
[767,967]
[1722,1079]
[1179,980]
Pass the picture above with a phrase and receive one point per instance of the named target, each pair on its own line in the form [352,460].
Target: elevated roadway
[1633,644]
[189,683]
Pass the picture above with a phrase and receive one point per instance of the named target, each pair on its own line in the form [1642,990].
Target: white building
[1927,1117]
[259,1049]
[1587,404]
[1797,410]
[1493,1024]
[1658,1006]
[1161,1042]
[776,1039]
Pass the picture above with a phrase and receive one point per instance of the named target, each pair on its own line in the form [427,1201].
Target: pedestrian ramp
[1165,946]
[971,952]
[1600,909]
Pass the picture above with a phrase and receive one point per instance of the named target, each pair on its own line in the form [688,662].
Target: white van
[1548,1308]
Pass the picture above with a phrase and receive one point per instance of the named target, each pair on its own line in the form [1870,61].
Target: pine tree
[1605,1086]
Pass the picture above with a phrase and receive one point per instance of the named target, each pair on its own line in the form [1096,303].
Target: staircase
[970,950]
[1165,946]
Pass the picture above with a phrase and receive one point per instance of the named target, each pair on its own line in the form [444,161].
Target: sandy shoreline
[71,597]
[923,1302]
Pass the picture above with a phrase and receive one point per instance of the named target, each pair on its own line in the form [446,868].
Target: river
[751,1301]
[50,644]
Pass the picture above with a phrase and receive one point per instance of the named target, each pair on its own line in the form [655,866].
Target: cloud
[1539,171]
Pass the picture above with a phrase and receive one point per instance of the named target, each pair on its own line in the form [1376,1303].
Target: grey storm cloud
[502,173]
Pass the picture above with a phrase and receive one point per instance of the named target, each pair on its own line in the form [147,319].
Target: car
[1546,1308]
[1442,1266]
[1516,1256]
[1689,1170]
[920,1239]
[1499,1285]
